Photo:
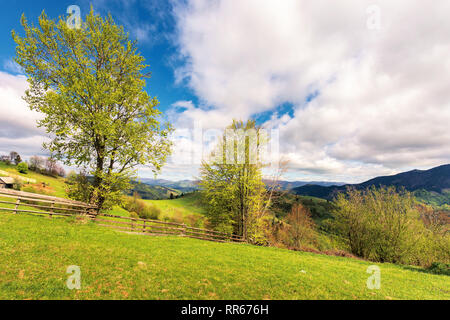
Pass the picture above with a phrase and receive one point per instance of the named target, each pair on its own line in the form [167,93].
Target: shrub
[150,212]
[301,230]
[143,210]
[17,184]
[134,215]
[22,167]
[194,220]
[79,187]
[297,231]
[439,268]
[383,225]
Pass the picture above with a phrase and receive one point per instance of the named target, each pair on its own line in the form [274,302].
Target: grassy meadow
[184,206]
[36,252]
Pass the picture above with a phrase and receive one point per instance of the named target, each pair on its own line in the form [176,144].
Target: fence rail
[53,206]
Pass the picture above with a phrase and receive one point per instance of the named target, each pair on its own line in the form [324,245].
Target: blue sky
[158,50]
[355,89]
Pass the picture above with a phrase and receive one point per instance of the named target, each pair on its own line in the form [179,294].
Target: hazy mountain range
[433,180]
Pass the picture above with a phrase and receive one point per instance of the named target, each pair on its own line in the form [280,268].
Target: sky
[350,89]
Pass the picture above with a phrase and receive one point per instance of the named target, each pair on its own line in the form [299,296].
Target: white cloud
[18,128]
[383,103]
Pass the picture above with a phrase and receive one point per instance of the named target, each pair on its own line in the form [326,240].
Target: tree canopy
[231,181]
[90,85]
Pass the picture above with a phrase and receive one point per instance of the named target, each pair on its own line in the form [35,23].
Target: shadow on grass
[436,268]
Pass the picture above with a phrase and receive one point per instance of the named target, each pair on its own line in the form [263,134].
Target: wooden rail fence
[53,206]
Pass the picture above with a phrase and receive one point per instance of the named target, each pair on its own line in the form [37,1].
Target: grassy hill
[36,252]
[146,191]
[54,185]
[188,205]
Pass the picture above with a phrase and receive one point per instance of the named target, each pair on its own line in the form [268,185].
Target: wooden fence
[52,206]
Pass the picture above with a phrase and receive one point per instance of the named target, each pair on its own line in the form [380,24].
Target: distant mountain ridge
[433,180]
[181,185]
[286,185]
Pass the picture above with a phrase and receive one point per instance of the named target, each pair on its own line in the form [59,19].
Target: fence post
[143,227]
[51,209]
[183,231]
[17,205]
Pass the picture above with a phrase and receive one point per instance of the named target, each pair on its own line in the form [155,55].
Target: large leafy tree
[89,84]
[231,181]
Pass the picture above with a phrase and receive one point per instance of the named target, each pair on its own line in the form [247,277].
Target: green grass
[57,187]
[186,205]
[36,251]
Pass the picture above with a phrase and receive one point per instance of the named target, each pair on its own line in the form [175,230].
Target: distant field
[186,205]
[36,252]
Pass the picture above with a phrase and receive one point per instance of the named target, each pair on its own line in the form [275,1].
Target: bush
[134,215]
[297,231]
[439,268]
[383,225]
[22,167]
[17,184]
[79,187]
[150,212]
[140,208]
[301,230]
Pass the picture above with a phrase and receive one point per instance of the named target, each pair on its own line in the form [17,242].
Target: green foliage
[22,167]
[439,268]
[89,85]
[143,210]
[187,209]
[296,231]
[78,186]
[283,202]
[383,225]
[17,184]
[231,183]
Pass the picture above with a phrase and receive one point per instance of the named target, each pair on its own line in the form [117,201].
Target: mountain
[435,180]
[181,185]
[192,185]
[286,185]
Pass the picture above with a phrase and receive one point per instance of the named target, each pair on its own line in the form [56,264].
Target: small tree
[22,167]
[231,182]
[301,228]
[17,160]
[36,163]
[79,186]
[377,223]
[50,166]
[5,159]
[13,155]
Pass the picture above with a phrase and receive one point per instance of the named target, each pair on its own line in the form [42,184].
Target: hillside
[287,185]
[116,265]
[181,185]
[154,192]
[53,185]
[435,180]
[186,207]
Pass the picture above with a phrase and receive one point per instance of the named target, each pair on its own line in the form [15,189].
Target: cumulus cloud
[381,100]
[18,129]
